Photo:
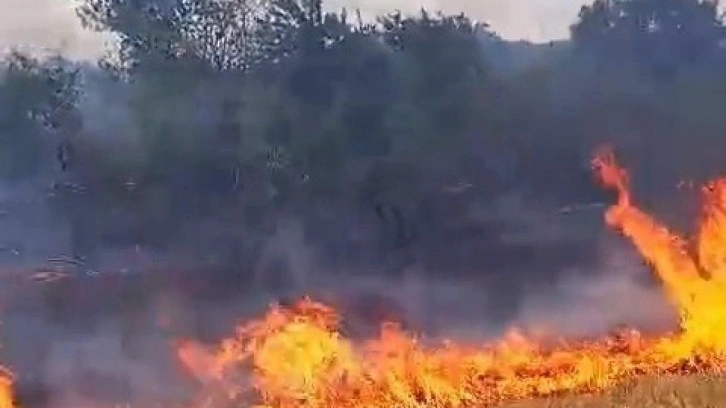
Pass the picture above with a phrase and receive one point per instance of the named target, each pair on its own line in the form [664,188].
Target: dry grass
[665,392]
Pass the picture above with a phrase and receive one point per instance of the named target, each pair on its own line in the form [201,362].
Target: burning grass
[299,356]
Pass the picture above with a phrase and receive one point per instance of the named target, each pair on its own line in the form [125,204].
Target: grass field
[665,392]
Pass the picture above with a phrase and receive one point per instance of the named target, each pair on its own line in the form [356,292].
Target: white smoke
[619,294]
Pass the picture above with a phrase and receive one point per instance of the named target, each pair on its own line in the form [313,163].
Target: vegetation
[690,392]
[269,116]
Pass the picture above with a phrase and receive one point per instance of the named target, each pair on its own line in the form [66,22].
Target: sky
[52,24]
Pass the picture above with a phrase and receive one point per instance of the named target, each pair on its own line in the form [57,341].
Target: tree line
[379,141]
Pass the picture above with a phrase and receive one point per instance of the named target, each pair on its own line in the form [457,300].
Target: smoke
[83,369]
[106,106]
[47,26]
[620,292]
[116,346]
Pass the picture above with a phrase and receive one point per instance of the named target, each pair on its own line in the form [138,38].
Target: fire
[298,356]
[7,399]
[693,273]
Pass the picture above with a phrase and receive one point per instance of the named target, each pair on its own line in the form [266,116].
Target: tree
[659,37]
[210,34]
[38,98]
[440,63]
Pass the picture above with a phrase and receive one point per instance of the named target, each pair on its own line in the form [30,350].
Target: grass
[664,392]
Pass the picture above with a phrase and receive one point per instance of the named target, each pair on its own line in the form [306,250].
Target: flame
[298,356]
[693,273]
[7,399]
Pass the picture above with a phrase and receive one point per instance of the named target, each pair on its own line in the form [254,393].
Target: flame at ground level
[298,357]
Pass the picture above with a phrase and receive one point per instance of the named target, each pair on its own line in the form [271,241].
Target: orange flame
[297,356]
[696,283]
[7,399]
